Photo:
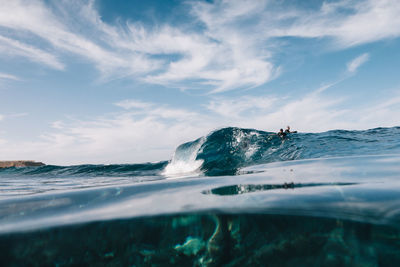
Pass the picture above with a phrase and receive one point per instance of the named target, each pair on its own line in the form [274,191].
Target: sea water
[236,197]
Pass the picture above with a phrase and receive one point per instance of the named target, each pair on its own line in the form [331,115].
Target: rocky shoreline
[20,163]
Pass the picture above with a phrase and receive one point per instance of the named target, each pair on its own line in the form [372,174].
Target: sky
[128,81]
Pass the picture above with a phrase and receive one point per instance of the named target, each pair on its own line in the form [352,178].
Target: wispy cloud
[15,48]
[313,112]
[136,135]
[7,76]
[223,55]
[244,106]
[58,27]
[310,113]
[137,107]
[347,22]
[12,115]
[133,104]
[234,48]
[353,65]
[17,115]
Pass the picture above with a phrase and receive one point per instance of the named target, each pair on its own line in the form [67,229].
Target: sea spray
[184,161]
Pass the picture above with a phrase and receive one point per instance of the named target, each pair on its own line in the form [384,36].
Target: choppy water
[235,197]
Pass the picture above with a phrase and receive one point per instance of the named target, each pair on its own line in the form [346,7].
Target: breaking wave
[225,151]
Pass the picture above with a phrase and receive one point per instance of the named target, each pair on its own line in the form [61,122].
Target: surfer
[288,130]
[281,133]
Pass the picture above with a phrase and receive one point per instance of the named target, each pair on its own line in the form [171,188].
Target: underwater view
[236,197]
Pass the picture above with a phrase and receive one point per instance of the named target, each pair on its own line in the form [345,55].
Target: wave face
[225,151]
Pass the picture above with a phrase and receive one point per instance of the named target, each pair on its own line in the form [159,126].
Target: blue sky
[128,81]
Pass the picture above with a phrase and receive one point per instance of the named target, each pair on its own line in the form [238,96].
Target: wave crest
[225,151]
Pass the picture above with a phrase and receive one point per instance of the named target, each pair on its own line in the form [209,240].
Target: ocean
[236,197]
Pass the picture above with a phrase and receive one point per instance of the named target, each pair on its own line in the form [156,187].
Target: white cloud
[133,104]
[153,110]
[244,106]
[348,22]
[7,76]
[386,112]
[353,65]
[124,137]
[313,112]
[310,113]
[16,48]
[16,115]
[60,27]
[12,115]
[234,48]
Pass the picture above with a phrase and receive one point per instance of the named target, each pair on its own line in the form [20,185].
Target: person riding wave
[281,133]
[288,130]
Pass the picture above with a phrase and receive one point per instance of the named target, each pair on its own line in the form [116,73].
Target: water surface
[235,197]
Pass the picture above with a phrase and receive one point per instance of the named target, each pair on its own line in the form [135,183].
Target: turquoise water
[235,197]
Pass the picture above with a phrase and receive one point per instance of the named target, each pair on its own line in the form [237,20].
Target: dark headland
[20,163]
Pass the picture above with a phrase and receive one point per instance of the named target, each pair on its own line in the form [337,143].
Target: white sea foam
[244,140]
[250,151]
[184,163]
